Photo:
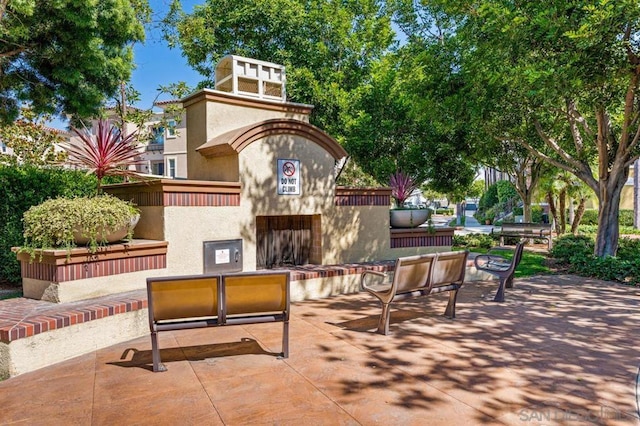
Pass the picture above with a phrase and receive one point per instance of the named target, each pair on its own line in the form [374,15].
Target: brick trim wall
[362,196]
[60,266]
[20,318]
[421,237]
[187,193]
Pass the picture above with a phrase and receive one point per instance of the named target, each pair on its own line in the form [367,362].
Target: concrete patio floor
[560,350]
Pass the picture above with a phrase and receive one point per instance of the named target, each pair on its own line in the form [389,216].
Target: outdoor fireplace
[287,240]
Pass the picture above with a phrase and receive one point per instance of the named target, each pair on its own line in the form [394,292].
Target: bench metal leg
[285,339]
[499,297]
[450,311]
[155,353]
[385,316]
[509,282]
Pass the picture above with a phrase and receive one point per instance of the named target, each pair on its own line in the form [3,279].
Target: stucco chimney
[250,77]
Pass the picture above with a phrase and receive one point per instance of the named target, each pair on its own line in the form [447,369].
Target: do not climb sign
[288,177]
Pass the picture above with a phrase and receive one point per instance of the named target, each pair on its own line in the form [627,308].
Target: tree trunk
[459,213]
[608,232]
[526,211]
[553,211]
[636,194]
[608,220]
[562,210]
[579,212]
[572,211]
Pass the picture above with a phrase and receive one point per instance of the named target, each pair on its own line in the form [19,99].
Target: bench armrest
[489,261]
[363,278]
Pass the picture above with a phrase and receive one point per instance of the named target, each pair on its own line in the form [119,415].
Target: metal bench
[415,276]
[501,267]
[195,301]
[527,230]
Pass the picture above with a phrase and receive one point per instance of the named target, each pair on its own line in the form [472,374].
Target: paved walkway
[560,351]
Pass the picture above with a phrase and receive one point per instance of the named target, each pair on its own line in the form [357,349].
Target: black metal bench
[537,231]
[500,267]
[195,301]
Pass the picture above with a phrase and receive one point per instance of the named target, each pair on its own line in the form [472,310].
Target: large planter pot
[110,235]
[64,222]
[408,218]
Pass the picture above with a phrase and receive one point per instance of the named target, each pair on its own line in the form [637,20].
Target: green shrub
[566,247]
[590,217]
[446,212]
[489,198]
[577,253]
[588,229]
[536,214]
[608,268]
[474,240]
[23,187]
[506,191]
[625,218]
[628,249]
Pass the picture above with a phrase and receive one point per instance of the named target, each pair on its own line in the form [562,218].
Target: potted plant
[91,221]
[69,222]
[402,186]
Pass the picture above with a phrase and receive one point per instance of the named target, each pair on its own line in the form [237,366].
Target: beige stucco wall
[222,117]
[186,228]
[349,233]
[207,119]
[361,234]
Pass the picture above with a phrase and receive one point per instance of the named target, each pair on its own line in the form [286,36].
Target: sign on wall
[288,177]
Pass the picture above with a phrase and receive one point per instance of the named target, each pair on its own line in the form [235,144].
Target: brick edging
[21,317]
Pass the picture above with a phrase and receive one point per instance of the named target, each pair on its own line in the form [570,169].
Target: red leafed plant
[402,185]
[107,153]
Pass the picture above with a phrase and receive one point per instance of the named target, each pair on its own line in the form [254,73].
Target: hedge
[23,187]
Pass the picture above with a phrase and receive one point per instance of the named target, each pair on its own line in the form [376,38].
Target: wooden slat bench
[541,231]
[196,301]
[418,276]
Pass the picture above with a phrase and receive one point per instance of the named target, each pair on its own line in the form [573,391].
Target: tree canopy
[560,78]
[66,56]
[327,47]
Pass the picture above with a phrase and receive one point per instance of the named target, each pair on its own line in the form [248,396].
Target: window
[171,129]
[171,167]
[157,168]
[3,147]
[157,135]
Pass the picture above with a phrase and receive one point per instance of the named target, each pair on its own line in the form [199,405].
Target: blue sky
[158,65]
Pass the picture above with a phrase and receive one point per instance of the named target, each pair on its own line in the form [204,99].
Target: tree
[401,120]
[523,168]
[327,47]
[124,113]
[568,71]
[65,57]
[32,143]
